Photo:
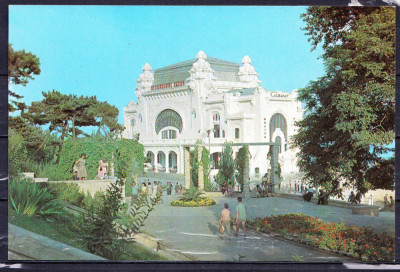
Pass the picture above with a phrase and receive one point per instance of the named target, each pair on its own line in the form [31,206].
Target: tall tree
[349,118]
[226,165]
[59,110]
[21,67]
[240,165]
[106,117]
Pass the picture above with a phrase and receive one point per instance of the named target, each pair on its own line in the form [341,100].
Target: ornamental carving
[201,69]
[247,73]
[145,79]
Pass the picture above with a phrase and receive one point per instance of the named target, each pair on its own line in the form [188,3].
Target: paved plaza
[194,231]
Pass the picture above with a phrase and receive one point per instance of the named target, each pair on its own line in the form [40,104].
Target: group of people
[387,204]
[240,217]
[148,191]
[79,168]
[227,190]
[298,187]
[176,189]
[262,190]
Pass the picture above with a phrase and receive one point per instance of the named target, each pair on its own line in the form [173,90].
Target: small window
[257,172]
[216,117]
[168,134]
[223,134]
[237,133]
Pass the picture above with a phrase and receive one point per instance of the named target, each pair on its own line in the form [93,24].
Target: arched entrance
[151,156]
[172,162]
[161,161]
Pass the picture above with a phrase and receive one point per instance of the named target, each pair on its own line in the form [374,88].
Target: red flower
[390,248]
[375,253]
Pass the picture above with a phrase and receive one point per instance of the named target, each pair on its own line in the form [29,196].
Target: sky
[100,50]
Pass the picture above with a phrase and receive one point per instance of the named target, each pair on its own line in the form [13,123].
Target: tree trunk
[73,128]
[60,145]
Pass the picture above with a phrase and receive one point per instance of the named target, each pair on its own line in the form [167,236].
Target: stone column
[187,167]
[201,177]
[167,163]
[274,174]
[246,181]
[156,161]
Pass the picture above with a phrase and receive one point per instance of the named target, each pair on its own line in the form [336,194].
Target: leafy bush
[191,194]
[97,229]
[68,192]
[96,201]
[100,229]
[361,243]
[16,153]
[52,172]
[203,201]
[29,199]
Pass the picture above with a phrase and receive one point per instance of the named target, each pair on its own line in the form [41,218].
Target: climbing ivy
[120,152]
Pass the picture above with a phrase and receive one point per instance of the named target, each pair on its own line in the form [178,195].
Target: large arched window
[277,121]
[168,118]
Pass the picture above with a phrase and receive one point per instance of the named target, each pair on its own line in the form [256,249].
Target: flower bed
[203,201]
[361,243]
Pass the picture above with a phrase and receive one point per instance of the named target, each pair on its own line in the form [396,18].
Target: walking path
[194,230]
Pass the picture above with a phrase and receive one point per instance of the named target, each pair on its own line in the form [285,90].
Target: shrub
[99,229]
[68,192]
[16,153]
[29,199]
[95,201]
[191,194]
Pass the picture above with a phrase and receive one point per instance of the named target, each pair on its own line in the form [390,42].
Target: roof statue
[145,79]
[247,72]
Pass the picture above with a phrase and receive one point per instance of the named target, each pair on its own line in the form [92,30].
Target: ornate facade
[214,101]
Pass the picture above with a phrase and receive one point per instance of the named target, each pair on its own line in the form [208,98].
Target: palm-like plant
[191,194]
[28,199]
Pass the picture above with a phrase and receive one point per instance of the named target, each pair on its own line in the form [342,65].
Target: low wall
[356,208]
[91,186]
[32,246]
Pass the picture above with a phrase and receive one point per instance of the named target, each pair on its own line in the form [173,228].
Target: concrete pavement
[194,230]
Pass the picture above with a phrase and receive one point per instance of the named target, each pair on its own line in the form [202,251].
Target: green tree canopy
[66,113]
[21,67]
[349,118]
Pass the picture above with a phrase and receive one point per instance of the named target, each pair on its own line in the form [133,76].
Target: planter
[202,202]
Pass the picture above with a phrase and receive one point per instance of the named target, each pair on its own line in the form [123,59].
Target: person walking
[144,191]
[177,188]
[225,221]
[134,193]
[155,189]
[149,190]
[81,167]
[240,217]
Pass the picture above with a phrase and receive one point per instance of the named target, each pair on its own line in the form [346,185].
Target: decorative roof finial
[201,55]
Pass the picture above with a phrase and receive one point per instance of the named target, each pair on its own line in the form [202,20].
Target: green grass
[62,230]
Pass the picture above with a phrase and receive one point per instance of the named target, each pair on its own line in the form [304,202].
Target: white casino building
[214,101]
